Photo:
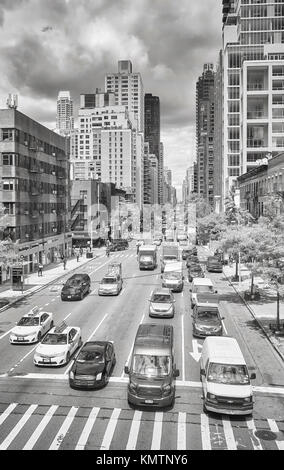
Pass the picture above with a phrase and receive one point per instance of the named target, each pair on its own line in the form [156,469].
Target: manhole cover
[265,435]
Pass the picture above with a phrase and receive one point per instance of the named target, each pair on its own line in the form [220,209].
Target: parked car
[76,287]
[93,365]
[195,270]
[31,327]
[162,303]
[206,320]
[58,345]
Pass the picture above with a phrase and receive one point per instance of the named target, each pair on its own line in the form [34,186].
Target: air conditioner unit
[54,192]
[54,211]
[53,154]
[26,212]
[53,173]
[54,229]
[26,143]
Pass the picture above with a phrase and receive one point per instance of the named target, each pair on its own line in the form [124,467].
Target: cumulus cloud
[49,45]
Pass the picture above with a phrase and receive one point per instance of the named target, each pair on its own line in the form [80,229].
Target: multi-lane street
[38,409]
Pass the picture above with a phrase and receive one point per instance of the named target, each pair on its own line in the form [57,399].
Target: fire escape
[77,215]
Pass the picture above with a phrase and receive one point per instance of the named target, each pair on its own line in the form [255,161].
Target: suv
[58,345]
[31,327]
[76,287]
[214,264]
[152,372]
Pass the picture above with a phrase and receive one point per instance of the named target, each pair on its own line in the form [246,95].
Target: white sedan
[58,345]
[31,327]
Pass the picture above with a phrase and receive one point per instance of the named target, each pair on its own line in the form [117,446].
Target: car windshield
[227,374]
[73,283]
[207,315]
[109,280]
[28,321]
[151,366]
[172,275]
[52,338]
[170,257]
[146,258]
[161,298]
[90,356]
[204,289]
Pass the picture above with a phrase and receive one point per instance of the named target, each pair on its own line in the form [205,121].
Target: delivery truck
[172,277]
[147,257]
[170,253]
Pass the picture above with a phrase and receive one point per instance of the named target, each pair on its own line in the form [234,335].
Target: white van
[225,378]
[201,285]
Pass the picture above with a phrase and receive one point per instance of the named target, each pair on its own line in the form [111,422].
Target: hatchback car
[93,365]
[76,287]
[206,320]
[162,303]
[31,327]
[57,347]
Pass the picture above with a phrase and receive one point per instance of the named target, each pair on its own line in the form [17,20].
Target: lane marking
[181,437]
[129,355]
[7,412]
[40,428]
[274,428]
[182,347]
[229,435]
[110,429]
[64,429]
[87,429]
[205,432]
[157,431]
[254,440]
[15,431]
[92,334]
[134,431]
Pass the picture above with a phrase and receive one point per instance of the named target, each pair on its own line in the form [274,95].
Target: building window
[7,135]
[8,185]
[7,159]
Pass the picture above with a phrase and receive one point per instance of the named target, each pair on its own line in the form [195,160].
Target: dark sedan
[195,271]
[192,259]
[93,365]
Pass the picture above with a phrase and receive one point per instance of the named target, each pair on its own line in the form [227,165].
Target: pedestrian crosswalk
[54,427]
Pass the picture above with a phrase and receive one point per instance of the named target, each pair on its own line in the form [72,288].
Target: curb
[255,318]
[10,304]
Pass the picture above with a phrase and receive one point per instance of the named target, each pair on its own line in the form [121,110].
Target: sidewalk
[263,310]
[34,283]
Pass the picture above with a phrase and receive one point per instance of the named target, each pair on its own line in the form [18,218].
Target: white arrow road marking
[195,346]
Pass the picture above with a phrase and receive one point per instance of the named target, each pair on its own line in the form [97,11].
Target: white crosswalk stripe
[64,429]
[39,430]
[110,429]
[87,429]
[15,431]
[101,428]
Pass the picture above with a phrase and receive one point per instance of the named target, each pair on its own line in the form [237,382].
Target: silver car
[162,303]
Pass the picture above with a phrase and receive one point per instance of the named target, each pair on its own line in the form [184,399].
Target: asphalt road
[38,409]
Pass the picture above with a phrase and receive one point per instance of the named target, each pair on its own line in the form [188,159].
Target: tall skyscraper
[152,135]
[252,86]
[128,89]
[205,132]
[64,117]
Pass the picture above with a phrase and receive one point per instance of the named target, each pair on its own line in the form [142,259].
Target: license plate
[21,339]
[69,296]
[150,402]
[46,360]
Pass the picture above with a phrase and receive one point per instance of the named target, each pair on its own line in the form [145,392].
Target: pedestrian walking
[78,256]
[40,268]
[64,263]
[81,251]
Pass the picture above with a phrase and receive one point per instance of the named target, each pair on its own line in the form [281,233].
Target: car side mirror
[216,292]
[222,318]
[176,373]
[253,376]
[190,290]
[126,369]
[202,372]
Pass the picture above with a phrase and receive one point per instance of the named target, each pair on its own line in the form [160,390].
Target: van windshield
[226,374]
[151,366]
[172,275]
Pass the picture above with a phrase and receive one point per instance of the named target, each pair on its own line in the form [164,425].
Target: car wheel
[39,336]
[113,362]
[67,357]
[51,324]
[81,296]
[80,342]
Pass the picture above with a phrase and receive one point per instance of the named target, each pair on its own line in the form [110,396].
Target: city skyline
[166,44]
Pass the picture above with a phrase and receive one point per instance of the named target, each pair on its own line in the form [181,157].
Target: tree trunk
[237,269]
[252,283]
[278,311]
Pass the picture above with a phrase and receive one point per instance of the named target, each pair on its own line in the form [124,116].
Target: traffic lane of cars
[88,314]
[47,300]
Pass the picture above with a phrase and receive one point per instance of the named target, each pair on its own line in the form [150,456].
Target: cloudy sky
[52,45]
